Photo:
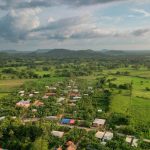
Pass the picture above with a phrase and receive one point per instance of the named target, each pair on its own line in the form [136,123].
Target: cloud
[16,25]
[140,32]
[78,27]
[142,11]
[9,4]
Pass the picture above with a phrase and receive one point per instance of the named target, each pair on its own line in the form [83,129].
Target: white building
[99,122]
[99,135]
[57,134]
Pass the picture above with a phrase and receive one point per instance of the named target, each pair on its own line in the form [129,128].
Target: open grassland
[141,72]
[137,108]
[9,85]
[139,85]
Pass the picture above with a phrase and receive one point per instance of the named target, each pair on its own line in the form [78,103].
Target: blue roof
[65,121]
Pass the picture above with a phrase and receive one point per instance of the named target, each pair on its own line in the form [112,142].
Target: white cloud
[142,11]
[16,24]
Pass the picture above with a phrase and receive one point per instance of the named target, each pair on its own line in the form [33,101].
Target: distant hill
[9,51]
[66,53]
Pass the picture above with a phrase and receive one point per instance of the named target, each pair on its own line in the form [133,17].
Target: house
[129,139]
[107,136]
[34,110]
[90,88]
[134,142]
[99,135]
[59,148]
[75,90]
[2,118]
[51,117]
[68,121]
[38,103]
[23,103]
[71,146]
[52,88]
[31,95]
[45,97]
[60,99]
[99,122]
[22,95]
[72,94]
[36,92]
[72,104]
[21,92]
[76,98]
[57,134]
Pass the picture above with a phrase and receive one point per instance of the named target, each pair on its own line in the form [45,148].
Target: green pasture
[137,108]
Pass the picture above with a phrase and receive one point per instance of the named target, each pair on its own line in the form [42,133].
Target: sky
[75,24]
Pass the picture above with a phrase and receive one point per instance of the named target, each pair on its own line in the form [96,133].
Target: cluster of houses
[27,103]
[71,96]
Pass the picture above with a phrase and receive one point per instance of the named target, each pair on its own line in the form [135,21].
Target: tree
[40,144]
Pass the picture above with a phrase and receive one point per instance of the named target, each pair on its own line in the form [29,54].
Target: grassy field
[137,108]
[9,85]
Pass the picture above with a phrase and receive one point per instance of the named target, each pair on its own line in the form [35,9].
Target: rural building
[129,139]
[57,134]
[45,97]
[135,142]
[51,117]
[67,121]
[99,135]
[60,99]
[71,146]
[38,103]
[99,122]
[108,136]
[23,103]
[21,92]
[36,92]
[31,95]
[76,98]
[2,118]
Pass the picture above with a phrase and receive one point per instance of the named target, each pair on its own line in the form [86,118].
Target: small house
[135,142]
[36,92]
[68,121]
[129,139]
[99,122]
[71,146]
[21,92]
[45,97]
[2,118]
[60,99]
[99,135]
[31,95]
[57,134]
[23,103]
[108,136]
[51,117]
[38,103]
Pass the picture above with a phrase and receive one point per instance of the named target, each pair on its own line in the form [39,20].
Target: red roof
[72,121]
[74,94]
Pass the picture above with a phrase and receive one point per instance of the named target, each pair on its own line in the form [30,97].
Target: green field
[137,108]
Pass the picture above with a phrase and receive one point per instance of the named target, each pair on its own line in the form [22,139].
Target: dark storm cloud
[7,4]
